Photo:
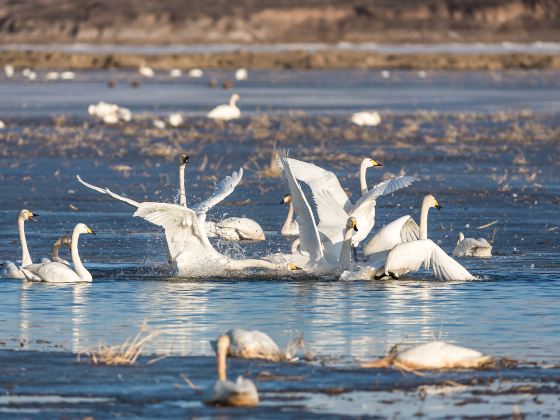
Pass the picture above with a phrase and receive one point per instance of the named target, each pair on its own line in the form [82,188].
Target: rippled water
[511,311]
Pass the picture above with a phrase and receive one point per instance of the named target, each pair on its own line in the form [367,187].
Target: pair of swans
[226,112]
[233,228]
[402,247]
[334,206]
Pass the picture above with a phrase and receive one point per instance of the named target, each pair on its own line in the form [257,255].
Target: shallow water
[511,311]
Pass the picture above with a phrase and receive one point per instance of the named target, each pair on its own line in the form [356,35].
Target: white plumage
[470,247]
[366,118]
[226,112]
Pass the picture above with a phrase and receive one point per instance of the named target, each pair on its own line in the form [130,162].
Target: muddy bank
[281,60]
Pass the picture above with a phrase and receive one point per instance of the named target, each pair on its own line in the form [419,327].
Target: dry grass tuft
[125,354]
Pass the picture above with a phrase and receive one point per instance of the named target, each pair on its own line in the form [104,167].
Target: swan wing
[403,229]
[224,188]
[407,257]
[53,272]
[383,188]
[108,192]
[310,241]
[320,180]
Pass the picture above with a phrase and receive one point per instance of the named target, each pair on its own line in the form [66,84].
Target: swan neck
[363,182]
[232,101]
[54,251]
[222,366]
[345,258]
[182,194]
[289,219]
[78,266]
[25,257]
[424,220]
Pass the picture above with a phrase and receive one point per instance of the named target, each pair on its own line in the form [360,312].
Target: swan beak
[354,226]
[184,159]
[32,217]
[282,202]
[293,267]
[437,206]
[376,163]
[90,231]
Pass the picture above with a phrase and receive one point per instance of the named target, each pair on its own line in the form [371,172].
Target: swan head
[370,163]
[352,223]
[65,241]
[234,98]
[431,201]
[81,228]
[183,159]
[27,215]
[287,199]
[461,237]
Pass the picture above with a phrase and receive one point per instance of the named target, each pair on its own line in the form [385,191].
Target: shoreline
[319,60]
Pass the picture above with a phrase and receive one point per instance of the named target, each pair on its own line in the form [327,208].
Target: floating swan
[145,71]
[235,229]
[290,226]
[175,120]
[56,272]
[67,75]
[2,125]
[315,260]
[333,205]
[241,74]
[9,70]
[408,257]
[241,393]
[109,113]
[60,242]
[365,118]
[176,73]
[470,247]
[252,344]
[52,75]
[159,124]
[195,73]
[432,355]
[9,269]
[226,112]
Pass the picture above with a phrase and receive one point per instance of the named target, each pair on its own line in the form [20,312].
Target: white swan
[56,272]
[52,75]
[9,269]
[290,226]
[67,75]
[176,73]
[195,73]
[403,229]
[235,229]
[226,112]
[431,356]
[315,260]
[470,247]
[408,257]
[241,74]
[366,118]
[333,205]
[60,242]
[109,113]
[145,71]
[2,125]
[9,70]
[252,344]
[175,119]
[241,393]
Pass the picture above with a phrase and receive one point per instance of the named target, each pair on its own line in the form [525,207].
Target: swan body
[9,70]
[406,257]
[52,75]
[2,125]
[60,242]
[175,120]
[159,124]
[195,73]
[403,229]
[365,118]
[176,73]
[470,247]
[109,113]
[433,355]
[333,205]
[67,75]
[290,226]
[56,272]
[226,112]
[241,74]
[9,269]
[145,71]
[252,344]
[238,229]
[241,393]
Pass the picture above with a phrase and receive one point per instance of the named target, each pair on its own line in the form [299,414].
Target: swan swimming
[334,206]
[241,393]
[145,71]
[195,73]
[60,242]
[175,119]
[56,272]
[470,247]
[409,256]
[290,226]
[9,269]
[253,344]
[175,73]
[432,356]
[241,74]
[9,70]
[226,112]
[366,118]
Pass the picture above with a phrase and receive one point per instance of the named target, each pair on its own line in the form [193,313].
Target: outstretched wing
[383,188]
[320,180]
[310,241]
[403,229]
[109,192]
[224,188]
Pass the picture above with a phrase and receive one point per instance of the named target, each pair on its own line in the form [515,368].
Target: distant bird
[226,112]
[241,74]
[175,120]
[9,70]
[228,84]
[67,75]
[176,73]
[111,84]
[135,84]
[109,113]
[195,73]
[145,71]
[470,247]
[385,74]
[159,124]
[2,125]
[422,74]
[213,83]
[52,75]
[366,118]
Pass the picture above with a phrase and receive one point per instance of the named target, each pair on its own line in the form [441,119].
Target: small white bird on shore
[241,74]
[195,73]
[366,118]
[226,112]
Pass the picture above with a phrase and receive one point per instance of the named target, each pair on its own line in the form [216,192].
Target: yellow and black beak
[184,159]
[32,217]
[354,226]
[91,232]
[376,163]
[437,206]
[293,267]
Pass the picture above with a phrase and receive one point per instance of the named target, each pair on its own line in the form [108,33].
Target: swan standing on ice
[365,118]
[226,112]
[431,356]
[241,74]
[252,344]
[56,272]
[9,269]
[409,256]
[470,247]
[290,226]
[60,242]
[241,393]
[334,206]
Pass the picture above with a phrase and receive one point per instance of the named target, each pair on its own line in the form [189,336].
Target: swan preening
[470,247]
[241,393]
[57,272]
[9,268]
[226,112]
